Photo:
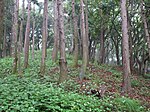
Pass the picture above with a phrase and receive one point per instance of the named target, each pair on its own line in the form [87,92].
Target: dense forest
[74,56]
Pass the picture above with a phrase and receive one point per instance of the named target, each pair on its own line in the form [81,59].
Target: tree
[4,42]
[75,28]
[125,48]
[33,31]
[145,26]
[87,28]
[102,42]
[21,37]
[44,36]
[26,43]
[62,60]
[15,35]
[84,42]
[1,25]
[56,33]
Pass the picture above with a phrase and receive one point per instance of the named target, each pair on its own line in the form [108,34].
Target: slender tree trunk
[21,38]
[33,39]
[87,29]
[1,25]
[80,41]
[23,22]
[146,67]
[46,32]
[145,26]
[4,42]
[15,34]
[102,41]
[84,43]
[130,28]
[44,36]
[26,44]
[130,47]
[126,62]
[75,19]
[33,30]
[56,33]
[62,61]
[117,54]
[102,48]
[11,35]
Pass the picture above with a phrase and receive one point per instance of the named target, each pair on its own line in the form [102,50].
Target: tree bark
[1,25]
[126,85]
[87,29]
[84,43]
[56,33]
[15,35]
[75,19]
[145,26]
[4,42]
[33,30]
[26,44]
[62,60]
[102,40]
[102,48]
[44,37]
[117,54]
[21,38]
[130,47]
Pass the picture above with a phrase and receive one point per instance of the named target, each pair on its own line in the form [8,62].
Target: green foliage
[147,76]
[128,105]
[5,66]
[31,95]
[135,83]
[25,94]
[70,85]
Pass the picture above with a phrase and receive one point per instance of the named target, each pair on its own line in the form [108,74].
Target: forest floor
[100,91]
[107,79]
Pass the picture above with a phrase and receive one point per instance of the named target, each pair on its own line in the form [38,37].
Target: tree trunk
[33,39]
[4,42]
[62,61]
[21,38]
[87,29]
[80,37]
[33,30]
[56,33]
[84,43]
[130,28]
[131,52]
[126,85]
[26,44]
[117,54]
[145,26]
[15,34]
[75,19]
[1,25]
[44,36]
[102,48]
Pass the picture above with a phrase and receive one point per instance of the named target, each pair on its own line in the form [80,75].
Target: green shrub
[128,105]
[70,85]
[28,94]
[5,66]
[32,93]
[25,95]
[135,83]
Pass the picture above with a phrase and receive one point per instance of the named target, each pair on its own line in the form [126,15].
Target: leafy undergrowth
[29,92]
